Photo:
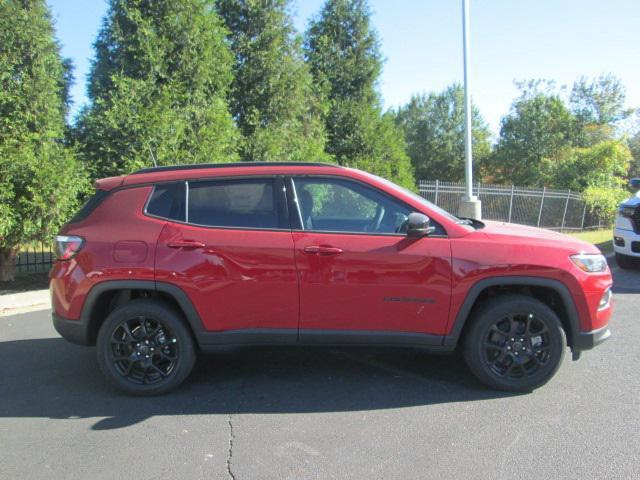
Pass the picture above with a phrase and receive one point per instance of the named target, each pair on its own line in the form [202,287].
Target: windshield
[424,201]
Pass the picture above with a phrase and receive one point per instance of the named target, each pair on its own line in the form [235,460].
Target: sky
[421,41]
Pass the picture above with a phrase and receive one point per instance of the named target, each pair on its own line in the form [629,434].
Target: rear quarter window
[167,201]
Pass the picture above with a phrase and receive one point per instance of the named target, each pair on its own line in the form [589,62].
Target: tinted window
[167,201]
[90,205]
[337,205]
[249,203]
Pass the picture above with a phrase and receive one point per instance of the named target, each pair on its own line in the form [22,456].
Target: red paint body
[265,279]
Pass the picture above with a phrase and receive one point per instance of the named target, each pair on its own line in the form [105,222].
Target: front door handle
[322,250]
[186,244]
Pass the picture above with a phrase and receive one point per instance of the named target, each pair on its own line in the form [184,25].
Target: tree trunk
[8,256]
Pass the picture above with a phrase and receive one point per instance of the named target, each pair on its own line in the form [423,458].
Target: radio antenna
[155,164]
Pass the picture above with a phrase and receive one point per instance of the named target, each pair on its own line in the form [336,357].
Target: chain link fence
[561,210]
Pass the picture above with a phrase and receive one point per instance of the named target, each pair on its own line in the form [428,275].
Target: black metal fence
[35,258]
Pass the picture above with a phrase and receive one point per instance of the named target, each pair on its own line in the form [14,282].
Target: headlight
[590,262]
[627,210]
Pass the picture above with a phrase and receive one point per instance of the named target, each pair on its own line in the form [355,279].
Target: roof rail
[233,164]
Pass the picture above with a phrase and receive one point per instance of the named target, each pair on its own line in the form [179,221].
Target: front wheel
[145,348]
[514,343]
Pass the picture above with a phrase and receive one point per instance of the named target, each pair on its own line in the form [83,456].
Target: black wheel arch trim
[80,331]
[83,329]
[560,288]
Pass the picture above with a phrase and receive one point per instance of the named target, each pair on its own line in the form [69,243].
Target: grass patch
[603,239]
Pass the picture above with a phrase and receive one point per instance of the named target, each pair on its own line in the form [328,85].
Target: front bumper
[630,239]
[75,331]
[588,340]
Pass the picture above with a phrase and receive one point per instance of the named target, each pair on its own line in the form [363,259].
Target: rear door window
[242,203]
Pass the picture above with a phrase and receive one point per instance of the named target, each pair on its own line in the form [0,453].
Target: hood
[514,233]
[635,200]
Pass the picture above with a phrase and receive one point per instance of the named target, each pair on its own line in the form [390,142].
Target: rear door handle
[322,250]
[186,244]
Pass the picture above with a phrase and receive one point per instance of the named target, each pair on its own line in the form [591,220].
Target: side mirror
[634,183]
[418,225]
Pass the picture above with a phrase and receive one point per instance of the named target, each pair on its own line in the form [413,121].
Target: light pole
[470,206]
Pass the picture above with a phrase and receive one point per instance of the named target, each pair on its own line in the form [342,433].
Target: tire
[625,262]
[152,355]
[495,353]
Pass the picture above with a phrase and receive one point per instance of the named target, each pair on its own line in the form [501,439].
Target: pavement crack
[230,450]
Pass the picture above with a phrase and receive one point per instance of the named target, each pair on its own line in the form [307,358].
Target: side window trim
[299,223]
[186,202]
[281,206]
[299,226]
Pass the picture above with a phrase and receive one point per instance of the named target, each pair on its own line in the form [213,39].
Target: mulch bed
[25,282]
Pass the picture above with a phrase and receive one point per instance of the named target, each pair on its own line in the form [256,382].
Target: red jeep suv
[171,260]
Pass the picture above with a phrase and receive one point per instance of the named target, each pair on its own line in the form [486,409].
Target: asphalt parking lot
[319,413]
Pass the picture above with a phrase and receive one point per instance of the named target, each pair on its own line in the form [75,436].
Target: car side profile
[169,261]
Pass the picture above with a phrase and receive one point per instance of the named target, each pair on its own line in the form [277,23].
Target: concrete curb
[13,303]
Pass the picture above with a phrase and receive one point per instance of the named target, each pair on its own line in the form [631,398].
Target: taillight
[67,246]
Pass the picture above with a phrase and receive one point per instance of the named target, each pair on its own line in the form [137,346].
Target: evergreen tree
[273,101]
[158,88]
[344,54]
[434,131]
[40,179]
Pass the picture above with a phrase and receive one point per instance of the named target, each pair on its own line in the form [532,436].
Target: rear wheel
[144,348]
[625,261]
[514,343]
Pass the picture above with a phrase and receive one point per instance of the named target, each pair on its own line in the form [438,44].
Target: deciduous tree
[539,126]
[433,125]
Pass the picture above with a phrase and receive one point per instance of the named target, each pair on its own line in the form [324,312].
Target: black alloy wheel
[514,343]
[145,348]
[517,345]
